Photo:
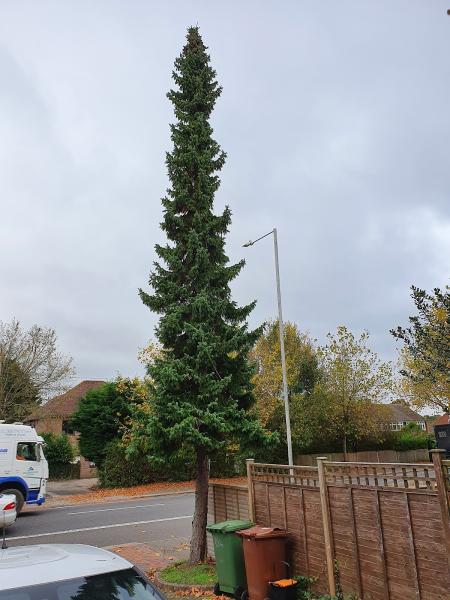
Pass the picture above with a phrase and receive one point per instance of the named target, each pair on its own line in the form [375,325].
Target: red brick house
[54,416]
[442,420]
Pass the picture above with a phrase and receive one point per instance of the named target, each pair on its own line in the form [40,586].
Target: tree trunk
[198,539]
[345,447]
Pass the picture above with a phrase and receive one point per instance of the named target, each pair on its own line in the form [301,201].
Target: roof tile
[65,404]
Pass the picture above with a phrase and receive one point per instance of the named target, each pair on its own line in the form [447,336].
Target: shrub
[229,463]
[120,470]
[99,418]
[412,437]
[117,470]
[61,471]
[58,448]
[60,455]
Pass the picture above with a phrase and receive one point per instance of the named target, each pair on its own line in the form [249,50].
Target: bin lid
[283,583]
[230,526]
[258,532]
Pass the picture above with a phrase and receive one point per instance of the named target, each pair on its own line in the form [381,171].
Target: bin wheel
[244,595]
[238,592]
[217,591]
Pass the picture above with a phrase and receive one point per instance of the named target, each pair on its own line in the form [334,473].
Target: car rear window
[119,585]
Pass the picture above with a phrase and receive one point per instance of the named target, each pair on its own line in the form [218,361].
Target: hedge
[60,455]
[120,470]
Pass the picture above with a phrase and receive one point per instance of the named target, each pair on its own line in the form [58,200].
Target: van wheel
[244,595]
[20,500]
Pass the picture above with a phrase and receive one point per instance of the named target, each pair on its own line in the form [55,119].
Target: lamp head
[248,244]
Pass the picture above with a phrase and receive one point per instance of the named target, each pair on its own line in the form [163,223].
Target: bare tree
[31,368]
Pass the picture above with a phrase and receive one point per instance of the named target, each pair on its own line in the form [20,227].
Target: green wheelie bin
[229,557]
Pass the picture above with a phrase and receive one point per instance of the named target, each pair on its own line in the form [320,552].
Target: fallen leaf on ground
[111,494]
[183,546]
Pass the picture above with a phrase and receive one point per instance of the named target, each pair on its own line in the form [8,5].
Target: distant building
[54,416]
[442,420]
[401,415]
[433,420]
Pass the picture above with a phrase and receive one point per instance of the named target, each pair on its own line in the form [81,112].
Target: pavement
[161,523]
[148,558]
[70,487]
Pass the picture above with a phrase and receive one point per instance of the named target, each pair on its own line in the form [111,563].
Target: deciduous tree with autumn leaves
[336,391]
[425,356]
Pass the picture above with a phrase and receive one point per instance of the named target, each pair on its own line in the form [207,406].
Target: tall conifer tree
[202,380]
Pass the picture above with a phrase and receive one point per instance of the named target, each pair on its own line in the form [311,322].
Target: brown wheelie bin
[265,558]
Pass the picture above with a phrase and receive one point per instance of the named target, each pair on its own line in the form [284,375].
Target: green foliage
[58,448]
[303,589]
[313,425]
[302,371]
[355,381]
[305,592]
[60,454]
[64,471]
[119,471]
[334,392]
[122,469]
[412,437]
[229,463]
[337,581]
[103,414]
[202,380]
[426,352]
[184,573]
[428,336]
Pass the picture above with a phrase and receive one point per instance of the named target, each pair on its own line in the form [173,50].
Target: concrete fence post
[251,504]
[443,495]
[326,519]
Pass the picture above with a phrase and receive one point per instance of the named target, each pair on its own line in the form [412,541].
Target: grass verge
[186,574]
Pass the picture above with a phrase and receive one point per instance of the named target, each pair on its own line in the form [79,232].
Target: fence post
[251,507]
[326,519]
[443,494]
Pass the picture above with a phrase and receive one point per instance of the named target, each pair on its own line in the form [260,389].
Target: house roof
[65,404]
[442,420]
[401,412]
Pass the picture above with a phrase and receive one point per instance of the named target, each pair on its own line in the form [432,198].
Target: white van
[23,467]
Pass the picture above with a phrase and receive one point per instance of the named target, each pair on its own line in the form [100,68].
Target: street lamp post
[282,351]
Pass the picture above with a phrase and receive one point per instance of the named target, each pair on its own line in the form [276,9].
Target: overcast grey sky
[336,120]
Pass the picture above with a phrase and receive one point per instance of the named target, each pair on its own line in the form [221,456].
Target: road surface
[161,521]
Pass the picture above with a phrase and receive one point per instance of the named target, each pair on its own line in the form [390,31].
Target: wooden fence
[380,456]
[226,502]
[387,526]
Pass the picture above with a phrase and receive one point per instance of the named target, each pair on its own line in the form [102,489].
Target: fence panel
[289,498]
[392,541]
[386,524]
[226,502]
